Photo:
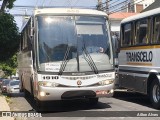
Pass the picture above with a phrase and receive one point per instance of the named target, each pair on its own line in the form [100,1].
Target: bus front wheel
[155,94]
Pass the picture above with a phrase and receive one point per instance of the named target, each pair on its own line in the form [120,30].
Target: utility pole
[107,6]
[99,6]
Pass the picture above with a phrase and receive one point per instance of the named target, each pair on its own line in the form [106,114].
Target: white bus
[66,54]
[139,57]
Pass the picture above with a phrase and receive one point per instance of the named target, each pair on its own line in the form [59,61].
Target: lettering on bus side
[139,56]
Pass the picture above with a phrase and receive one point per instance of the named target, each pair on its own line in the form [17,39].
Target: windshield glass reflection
[59,34]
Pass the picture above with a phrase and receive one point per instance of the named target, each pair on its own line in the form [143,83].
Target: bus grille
[96,84]
[80,77]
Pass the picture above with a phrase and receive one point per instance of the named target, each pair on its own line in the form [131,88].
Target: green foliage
[9,36]
[9,39]
[9,66]
[7,3]
[10,3]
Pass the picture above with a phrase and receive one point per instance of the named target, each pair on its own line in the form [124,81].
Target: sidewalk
[4,107]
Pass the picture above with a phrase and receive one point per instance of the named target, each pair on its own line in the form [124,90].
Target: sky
[56,3]
[84,3]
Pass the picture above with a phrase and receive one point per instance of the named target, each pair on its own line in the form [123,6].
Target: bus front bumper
[66,93]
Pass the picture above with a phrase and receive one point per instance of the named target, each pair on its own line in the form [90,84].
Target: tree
[9,39]
[6,4]
[9,66]
[9,36]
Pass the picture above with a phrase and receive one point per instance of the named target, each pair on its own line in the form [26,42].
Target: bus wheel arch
[154,91]
[151,78]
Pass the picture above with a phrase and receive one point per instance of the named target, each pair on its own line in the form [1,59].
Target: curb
[4,107]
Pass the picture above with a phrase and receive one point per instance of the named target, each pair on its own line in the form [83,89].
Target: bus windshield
[72,39]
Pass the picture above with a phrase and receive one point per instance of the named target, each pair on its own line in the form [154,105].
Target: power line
[21,15]
[119,4]
[115,2]
[36,3]
[124,7]
[31,9]
[76,2]
[106,2]
[69,2]
[111,5]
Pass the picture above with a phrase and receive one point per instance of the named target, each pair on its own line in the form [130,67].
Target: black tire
[21,86]
[154,94]
[93,101]
[31,84]
[26,94]
[39,105]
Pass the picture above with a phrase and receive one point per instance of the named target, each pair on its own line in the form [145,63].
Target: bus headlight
[47,84]
[106,82]
[42,94]
[55,84]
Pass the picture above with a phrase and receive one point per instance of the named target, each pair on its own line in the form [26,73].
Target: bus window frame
[137,32]
[123,40]
[155,40]
[26,42]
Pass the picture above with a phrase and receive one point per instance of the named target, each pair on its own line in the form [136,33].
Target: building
[154,5]
[138,5]
[116,18]
[132,7]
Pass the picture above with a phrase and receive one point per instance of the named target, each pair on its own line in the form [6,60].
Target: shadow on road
[21,94]
[67,105]
[133,97]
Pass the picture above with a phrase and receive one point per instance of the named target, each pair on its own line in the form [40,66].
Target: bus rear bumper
[68,93]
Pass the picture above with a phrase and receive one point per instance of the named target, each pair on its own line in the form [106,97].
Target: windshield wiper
[89,60]
[64,62]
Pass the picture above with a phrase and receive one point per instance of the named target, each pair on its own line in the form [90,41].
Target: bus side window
[141,32]
[127,36]
[156,30]
[26,38]
[137,33]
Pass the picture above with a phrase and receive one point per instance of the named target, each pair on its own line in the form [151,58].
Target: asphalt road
[124,105]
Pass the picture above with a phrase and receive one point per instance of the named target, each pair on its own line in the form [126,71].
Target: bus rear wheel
[155,94]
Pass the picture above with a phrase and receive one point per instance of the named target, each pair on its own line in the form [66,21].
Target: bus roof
[69,11]
[141,15]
